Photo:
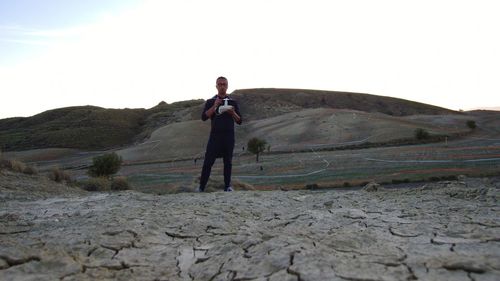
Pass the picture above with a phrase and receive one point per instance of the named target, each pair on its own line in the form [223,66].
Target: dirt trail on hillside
[439,231]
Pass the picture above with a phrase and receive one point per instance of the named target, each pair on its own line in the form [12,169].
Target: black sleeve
[237,110]
[208,104]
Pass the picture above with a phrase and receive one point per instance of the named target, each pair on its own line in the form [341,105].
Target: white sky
[445,53]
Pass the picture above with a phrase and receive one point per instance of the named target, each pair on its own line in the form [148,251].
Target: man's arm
[209,110]
[235,113]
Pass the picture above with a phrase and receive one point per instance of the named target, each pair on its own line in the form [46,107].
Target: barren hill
[303,129]
[262,103]
[90,127]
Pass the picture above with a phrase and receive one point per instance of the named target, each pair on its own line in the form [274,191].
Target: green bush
[421,134]
[105,165]
[257,146]
[471,124]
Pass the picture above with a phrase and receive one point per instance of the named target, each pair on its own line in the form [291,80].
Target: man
[223,113]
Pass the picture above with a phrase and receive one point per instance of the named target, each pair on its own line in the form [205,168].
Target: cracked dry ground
[441,231]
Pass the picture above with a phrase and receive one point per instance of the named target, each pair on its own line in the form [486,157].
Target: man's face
[221,85]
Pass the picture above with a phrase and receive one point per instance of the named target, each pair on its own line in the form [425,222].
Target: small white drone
[223,108]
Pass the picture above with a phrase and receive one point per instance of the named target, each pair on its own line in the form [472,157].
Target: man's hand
[218,102]
[211,110]
[235,115]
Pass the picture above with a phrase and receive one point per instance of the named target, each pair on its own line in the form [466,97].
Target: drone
[223,108]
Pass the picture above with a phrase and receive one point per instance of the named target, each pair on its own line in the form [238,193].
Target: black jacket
[221,123]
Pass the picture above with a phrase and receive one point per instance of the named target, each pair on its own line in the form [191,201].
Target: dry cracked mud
[439,231]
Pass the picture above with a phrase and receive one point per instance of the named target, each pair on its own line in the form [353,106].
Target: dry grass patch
[105,184]
[18,167]
[120,183]
[30,170]
[96,184]
[58,175]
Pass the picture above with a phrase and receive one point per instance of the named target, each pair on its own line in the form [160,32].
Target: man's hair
[221,77]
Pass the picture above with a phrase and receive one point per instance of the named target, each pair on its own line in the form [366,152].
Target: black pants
[219,145]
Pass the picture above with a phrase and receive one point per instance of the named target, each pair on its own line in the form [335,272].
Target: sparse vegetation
[312,186]
[471,124]
[398,181]
[96,184]
[120,183]
[421,134]
[444,178]
[104,184]
[30,170]
[105,165]
[58,175]
[17,166]
[256,146]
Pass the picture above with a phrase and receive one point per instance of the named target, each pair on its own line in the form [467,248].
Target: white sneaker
[229,189]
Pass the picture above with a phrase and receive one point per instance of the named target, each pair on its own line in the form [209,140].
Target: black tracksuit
[221,141]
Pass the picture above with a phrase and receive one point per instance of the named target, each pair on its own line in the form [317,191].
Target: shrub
[398,181]
[30,170]
[5,164]
[312,186]
[17,166]
[58,175]
[105,165]
[471,124]
[96,184]
[421,134]
[256,146]
[120,183]
[347,184]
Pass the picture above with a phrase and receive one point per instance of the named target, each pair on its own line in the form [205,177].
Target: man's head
[221,85]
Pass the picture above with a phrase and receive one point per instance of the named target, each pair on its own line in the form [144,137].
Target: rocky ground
[438,231]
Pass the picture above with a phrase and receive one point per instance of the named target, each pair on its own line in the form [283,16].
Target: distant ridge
[91,127]
[493,108]
[269,102]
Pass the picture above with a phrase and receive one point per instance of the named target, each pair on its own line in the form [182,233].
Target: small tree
[256,146]
[105,165]
[471,124]
[421,134]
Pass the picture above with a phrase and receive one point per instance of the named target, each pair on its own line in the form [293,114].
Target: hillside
[90,127]
[73,127]
[307,128]
[263,103]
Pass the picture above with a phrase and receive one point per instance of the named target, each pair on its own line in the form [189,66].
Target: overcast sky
[117,54]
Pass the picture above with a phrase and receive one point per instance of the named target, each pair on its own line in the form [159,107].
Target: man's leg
[228,166]
[228,160]
[209,161]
